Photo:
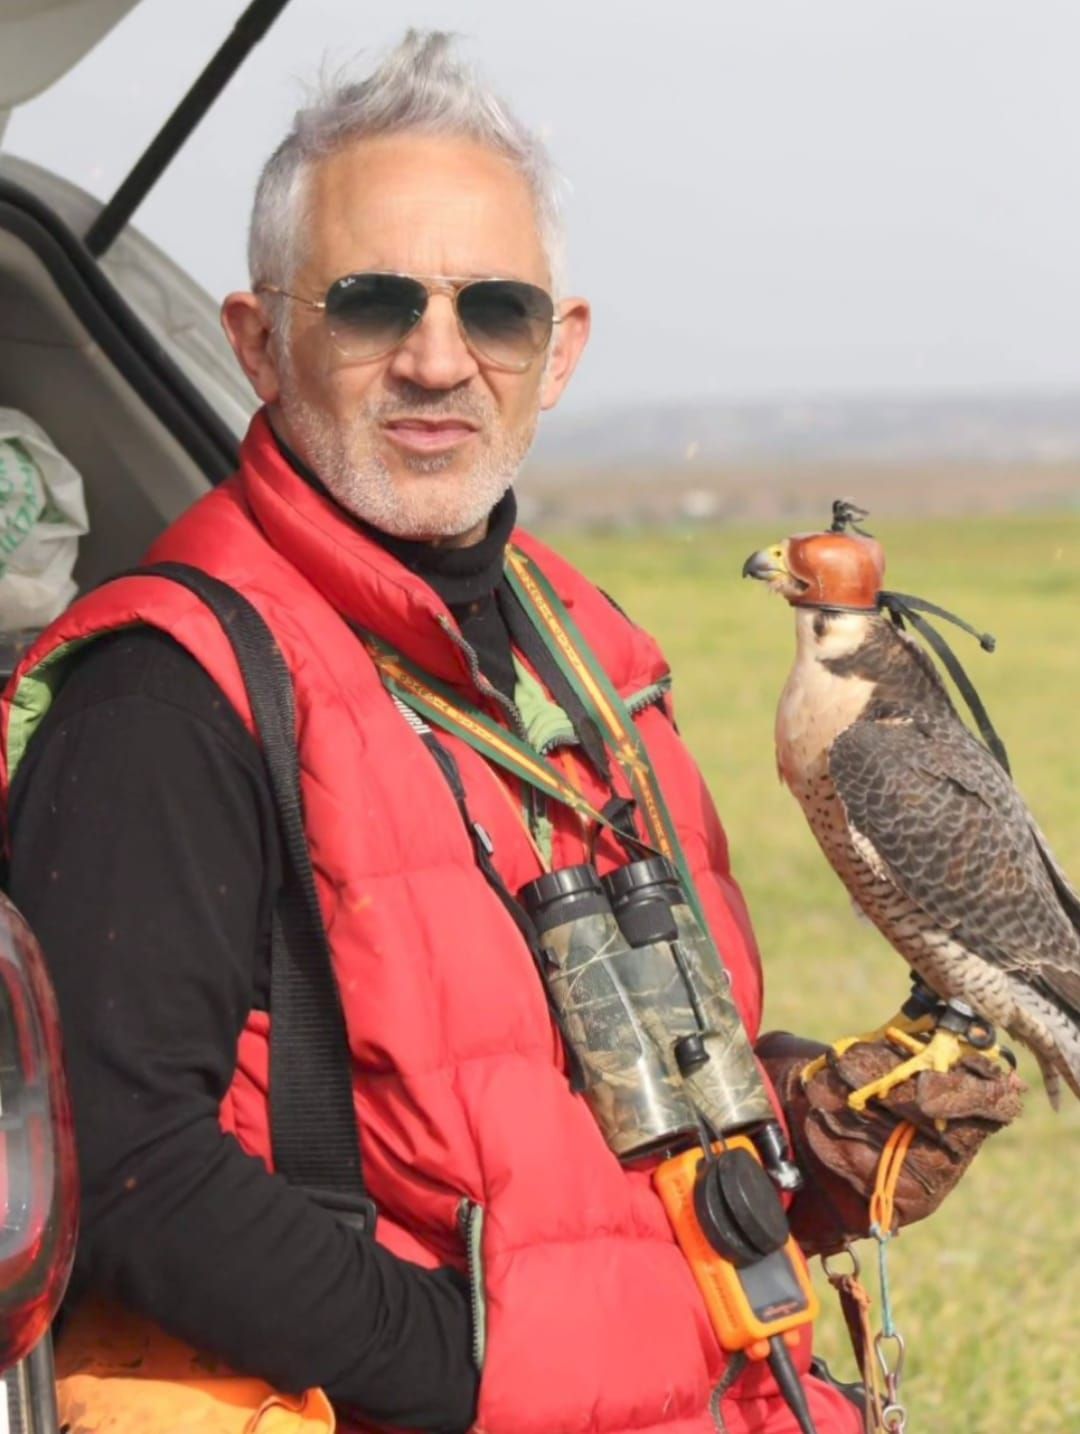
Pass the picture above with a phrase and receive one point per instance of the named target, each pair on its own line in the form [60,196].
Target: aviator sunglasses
[504,322]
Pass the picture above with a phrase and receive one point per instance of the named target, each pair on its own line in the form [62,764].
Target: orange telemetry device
[732,1228]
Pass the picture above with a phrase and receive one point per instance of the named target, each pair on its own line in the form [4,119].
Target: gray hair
[421,86]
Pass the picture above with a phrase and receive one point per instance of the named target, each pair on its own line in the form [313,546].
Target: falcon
[918,818]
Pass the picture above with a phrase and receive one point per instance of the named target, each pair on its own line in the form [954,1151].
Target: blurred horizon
[771,203]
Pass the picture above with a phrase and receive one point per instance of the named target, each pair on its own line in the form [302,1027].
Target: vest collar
[366,584]
[458,575]
[371,588]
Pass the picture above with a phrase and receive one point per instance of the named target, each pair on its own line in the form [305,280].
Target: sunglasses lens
[507,322]
[369,314]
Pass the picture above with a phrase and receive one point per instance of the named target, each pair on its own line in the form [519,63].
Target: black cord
[789,1384]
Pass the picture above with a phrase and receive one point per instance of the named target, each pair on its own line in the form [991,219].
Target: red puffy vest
[589,1316]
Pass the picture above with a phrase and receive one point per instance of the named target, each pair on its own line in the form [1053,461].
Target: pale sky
[768,196]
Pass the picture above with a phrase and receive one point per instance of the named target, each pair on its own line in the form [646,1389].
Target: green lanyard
[440,705]
[595,690]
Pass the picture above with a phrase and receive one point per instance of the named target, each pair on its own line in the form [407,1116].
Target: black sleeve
[144,856]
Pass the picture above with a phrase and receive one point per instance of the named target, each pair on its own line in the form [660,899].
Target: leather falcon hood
[839,569]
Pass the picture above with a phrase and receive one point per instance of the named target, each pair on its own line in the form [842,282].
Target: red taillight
[38,1177]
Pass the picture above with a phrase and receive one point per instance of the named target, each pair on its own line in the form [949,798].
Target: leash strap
[888,1175]
[889,1348]
[880,1356]
[855,1303]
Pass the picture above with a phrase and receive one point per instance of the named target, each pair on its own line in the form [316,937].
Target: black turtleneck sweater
[146,857]
[467,580]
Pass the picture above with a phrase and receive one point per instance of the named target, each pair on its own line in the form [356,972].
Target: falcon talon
[939,1054]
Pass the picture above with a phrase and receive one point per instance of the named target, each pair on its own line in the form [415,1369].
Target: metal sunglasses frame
[447,284]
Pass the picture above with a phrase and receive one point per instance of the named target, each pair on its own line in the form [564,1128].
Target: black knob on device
[738,1208]
[753,1201]
[636,876]
[715,1219]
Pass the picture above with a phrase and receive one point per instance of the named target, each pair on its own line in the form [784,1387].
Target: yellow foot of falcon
[899,1030]
[940,1053]
[930,1047]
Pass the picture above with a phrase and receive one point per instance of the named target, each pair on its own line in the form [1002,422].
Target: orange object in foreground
[118,1373]
[748,1303]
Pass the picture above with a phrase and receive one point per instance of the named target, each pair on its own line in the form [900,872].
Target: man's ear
[571,336]
[247,327]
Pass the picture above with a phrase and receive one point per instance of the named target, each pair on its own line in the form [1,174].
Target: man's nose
[435,355]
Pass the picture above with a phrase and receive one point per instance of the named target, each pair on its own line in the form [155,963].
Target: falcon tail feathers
[1039,1021]
[1060,1061]
[1071,1064]
[1051,1083]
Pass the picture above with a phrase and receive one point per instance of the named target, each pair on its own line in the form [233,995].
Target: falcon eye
[821,623]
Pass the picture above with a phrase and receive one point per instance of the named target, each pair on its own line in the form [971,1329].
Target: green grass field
[986,1292]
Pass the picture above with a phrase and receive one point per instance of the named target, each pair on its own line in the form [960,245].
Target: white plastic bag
[42,517]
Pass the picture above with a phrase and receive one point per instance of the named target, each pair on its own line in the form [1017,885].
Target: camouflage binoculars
[646,1008]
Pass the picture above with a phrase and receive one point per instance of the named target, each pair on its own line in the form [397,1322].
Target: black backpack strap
[313,1127]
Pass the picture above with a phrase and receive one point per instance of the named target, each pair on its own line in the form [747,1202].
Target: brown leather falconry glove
[838,1149]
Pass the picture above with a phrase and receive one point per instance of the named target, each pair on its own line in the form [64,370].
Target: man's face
[423,441]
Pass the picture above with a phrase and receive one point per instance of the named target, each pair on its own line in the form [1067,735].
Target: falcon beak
[767,564]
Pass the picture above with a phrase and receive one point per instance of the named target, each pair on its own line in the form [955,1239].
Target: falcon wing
[1067,893]
[952,832]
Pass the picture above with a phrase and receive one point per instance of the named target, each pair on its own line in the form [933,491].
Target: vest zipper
[714,1410]
[736,1365]
[471,1220]
[479,680]
[559,740]
[650,696]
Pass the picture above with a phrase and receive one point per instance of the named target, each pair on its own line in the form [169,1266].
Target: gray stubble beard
[345,460]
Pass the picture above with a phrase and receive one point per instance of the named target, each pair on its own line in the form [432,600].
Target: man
[373,497]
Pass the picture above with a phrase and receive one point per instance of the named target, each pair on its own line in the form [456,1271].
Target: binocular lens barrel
[595,982]
[646,1006]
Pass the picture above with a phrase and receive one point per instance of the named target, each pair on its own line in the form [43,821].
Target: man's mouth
[428,435]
